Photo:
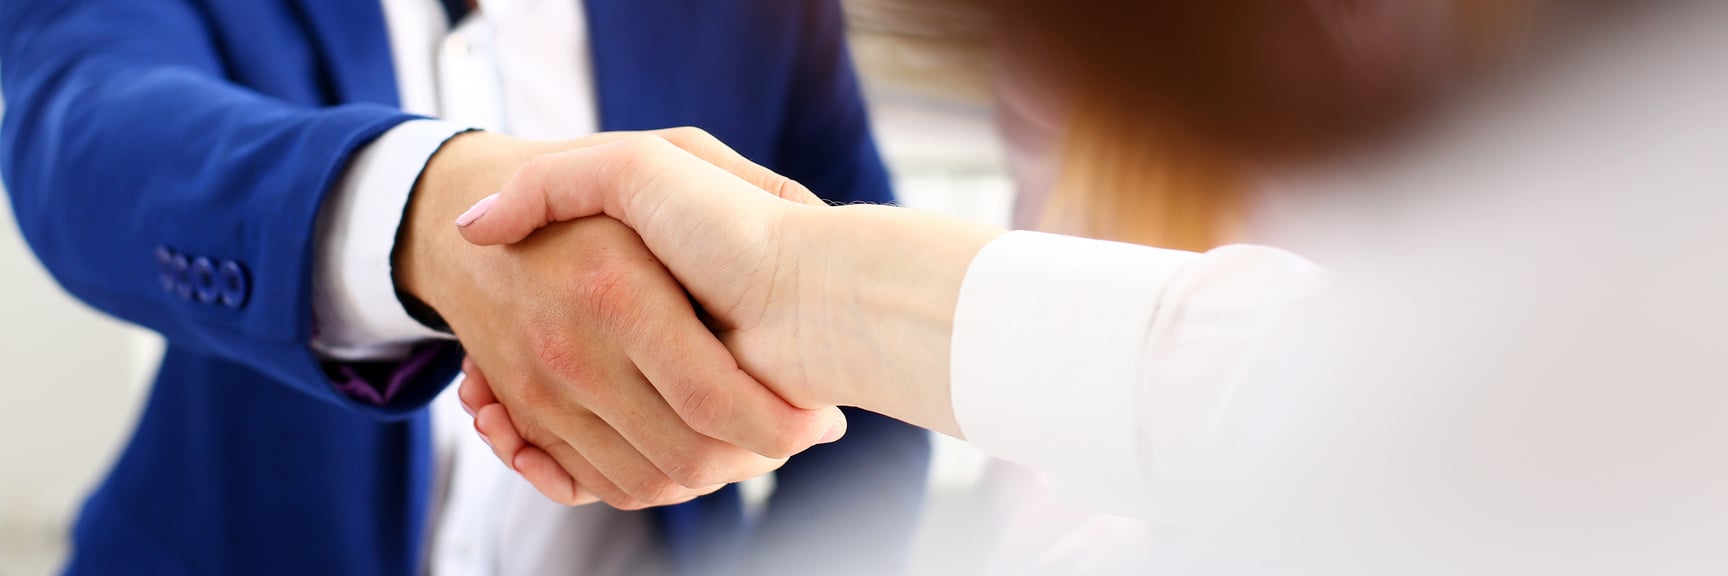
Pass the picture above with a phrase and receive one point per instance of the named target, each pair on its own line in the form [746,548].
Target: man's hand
[593,348]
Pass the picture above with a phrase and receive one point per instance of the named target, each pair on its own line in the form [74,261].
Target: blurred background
[76,378]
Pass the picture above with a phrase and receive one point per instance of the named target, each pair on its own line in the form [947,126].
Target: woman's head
[1256,77]
[1173,104]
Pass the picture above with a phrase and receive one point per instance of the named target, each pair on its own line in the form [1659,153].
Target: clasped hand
[589,371]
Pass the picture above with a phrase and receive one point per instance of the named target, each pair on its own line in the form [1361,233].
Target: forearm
[881,305]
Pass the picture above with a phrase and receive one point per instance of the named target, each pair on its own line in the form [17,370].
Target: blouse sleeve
[1101,363]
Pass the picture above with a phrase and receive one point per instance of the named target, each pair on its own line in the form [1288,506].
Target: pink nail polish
[476,211]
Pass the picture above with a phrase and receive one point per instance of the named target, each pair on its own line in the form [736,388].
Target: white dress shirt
[519,67]
[1514,366]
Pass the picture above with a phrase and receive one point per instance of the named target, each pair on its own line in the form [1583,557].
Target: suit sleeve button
[165,268]
[204,280]
[233,284]
[182,276]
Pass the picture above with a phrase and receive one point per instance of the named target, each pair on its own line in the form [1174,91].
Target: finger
[492,422]
[551,479]
[631,481]
[495,426]
[702,382]
[705,146]
[636,410]
[700,143]
[474,391]
[608,178]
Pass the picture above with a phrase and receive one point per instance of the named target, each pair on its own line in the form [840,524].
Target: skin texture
[825,306]
[595,349]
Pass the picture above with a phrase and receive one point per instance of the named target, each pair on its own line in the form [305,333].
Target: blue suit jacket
[166,161]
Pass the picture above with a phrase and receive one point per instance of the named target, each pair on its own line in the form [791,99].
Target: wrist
[881,318]
[809,248]
[432,261]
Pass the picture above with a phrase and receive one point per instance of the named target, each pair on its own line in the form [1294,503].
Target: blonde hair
[1146,184]
[1142,187]
[1166,98]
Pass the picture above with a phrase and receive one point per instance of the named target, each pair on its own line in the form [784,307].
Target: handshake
[642,312]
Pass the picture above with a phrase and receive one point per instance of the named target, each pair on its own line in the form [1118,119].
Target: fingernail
[834,433]
[476,211]
[467,409]
[488,441]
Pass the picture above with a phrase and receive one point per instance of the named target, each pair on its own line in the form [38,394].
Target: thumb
[512,222]
[567,185]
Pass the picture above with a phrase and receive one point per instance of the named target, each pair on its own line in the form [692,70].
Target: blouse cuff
[1041,382]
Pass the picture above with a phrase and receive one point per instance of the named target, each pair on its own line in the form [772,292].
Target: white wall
[69,383]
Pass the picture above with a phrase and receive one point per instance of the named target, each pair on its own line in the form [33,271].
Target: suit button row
[198,278]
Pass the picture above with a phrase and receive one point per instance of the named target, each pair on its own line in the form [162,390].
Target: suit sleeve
[161,193]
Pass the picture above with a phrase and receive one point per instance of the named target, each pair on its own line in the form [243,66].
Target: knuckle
[533,434]
[619,499]
[637,158]
[705,410]
[531,174]
[782,441]
[558,353]
[530,405]
[605,292]
[628,504]
[783,187]
[688,474]
[698,466]
[654,490]
[613,496]
[534,165]
[790,189]
[781,446]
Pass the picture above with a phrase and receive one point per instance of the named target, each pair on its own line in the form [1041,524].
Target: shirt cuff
[1046,383]
[359,317]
